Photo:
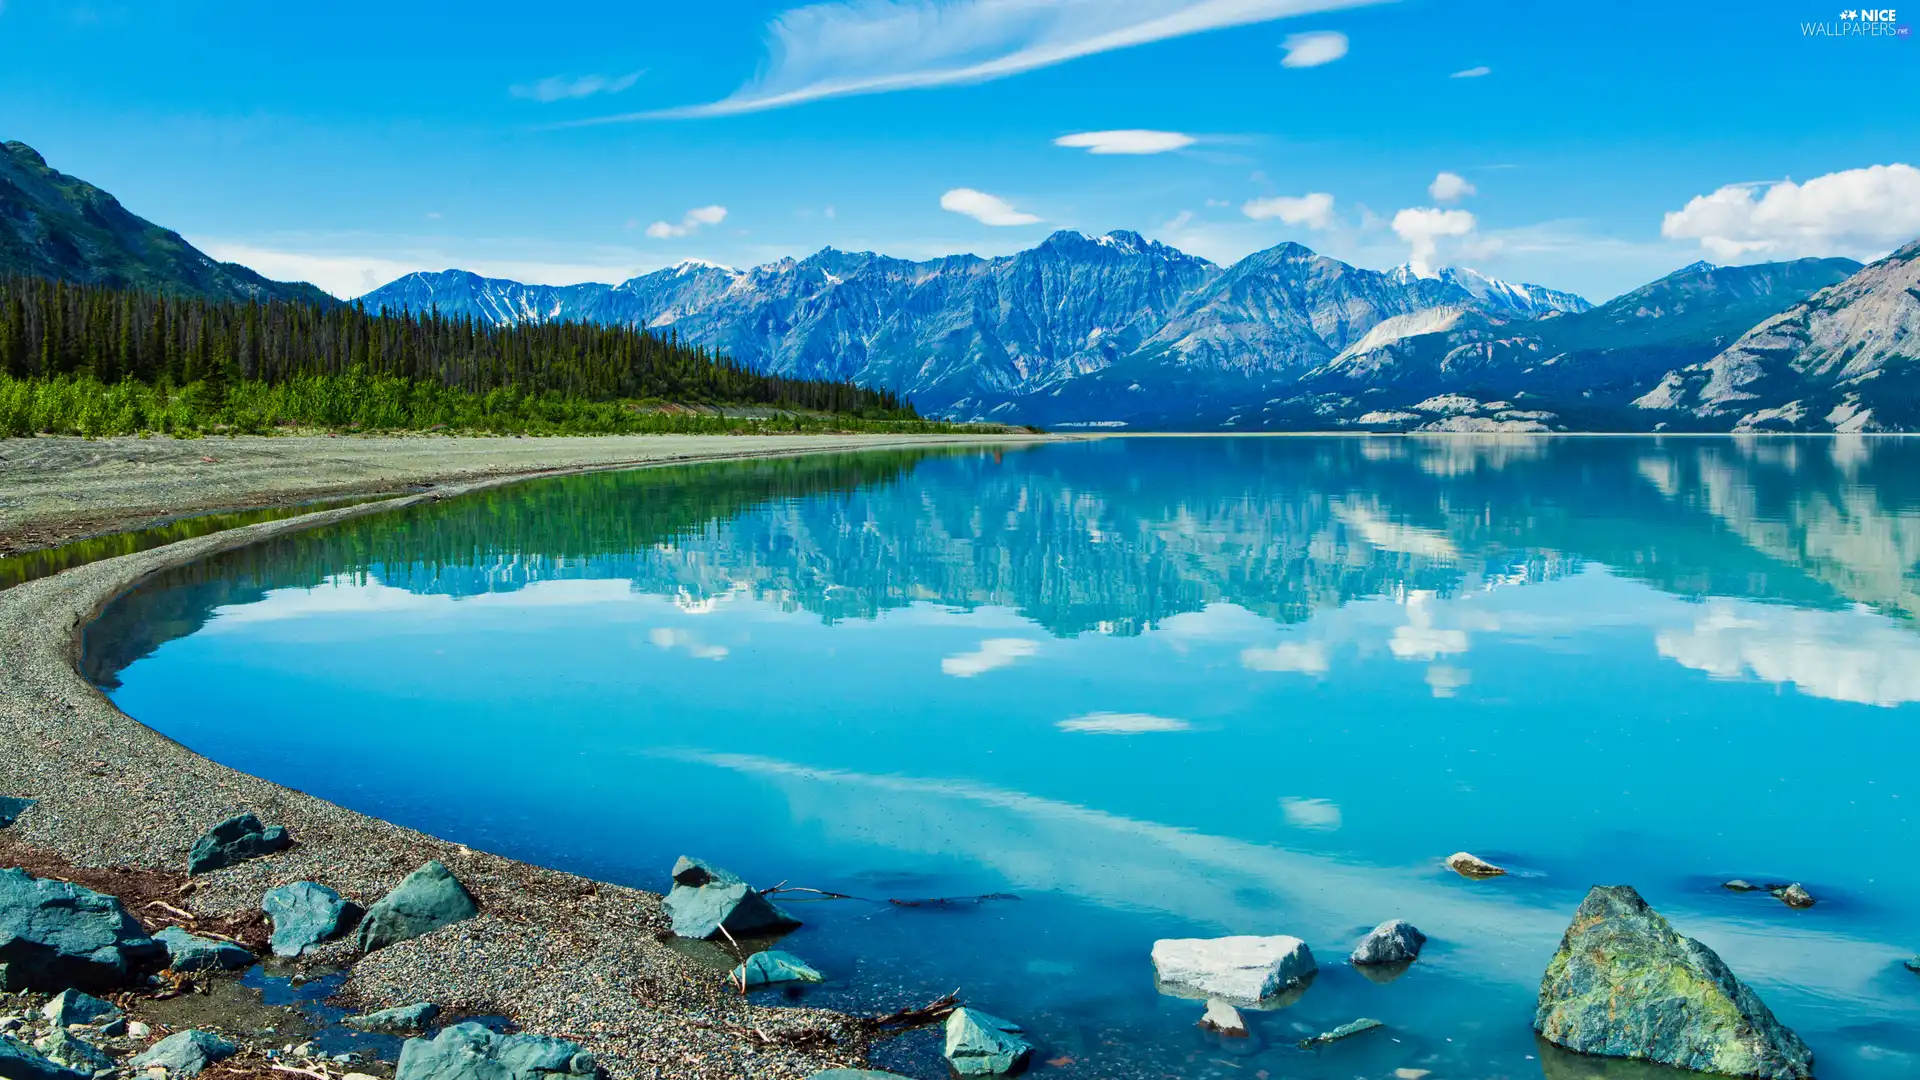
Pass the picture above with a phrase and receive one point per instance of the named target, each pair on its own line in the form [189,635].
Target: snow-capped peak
[688,266]
[1495,295]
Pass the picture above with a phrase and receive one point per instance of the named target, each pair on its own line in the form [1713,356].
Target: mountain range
[57,226]
[1120,332]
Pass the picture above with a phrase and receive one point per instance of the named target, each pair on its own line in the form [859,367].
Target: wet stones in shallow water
[75,1007]
[1241,969]
[18,1061]
[55,935]
[1625,984]
[186,952]
[187,1053]
[1344,1031]
[11,808]
[1223,1018]
[1740,885]
[400,1020]
[706,898]
[63,1049]
[1795,896]
[471,1052]
[306,914]
[1913,965]
[771,967]
[855,1074]
[1472,866]
[430,898]
[1395,942]
[980,1044]
[236,839]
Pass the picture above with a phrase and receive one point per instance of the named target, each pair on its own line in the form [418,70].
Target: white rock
[1224,1018]
[137,1030]
[1240,969]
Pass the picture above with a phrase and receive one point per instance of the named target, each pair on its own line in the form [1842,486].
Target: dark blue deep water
[1149,687]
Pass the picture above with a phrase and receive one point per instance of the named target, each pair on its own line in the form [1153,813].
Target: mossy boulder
[1625,984]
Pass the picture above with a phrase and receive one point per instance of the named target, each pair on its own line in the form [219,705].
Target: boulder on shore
[430,898]
[1626,984]
[706,898]
[55,935]
[188,952]
[1394,942]
[76,1007]
[773,966]
[237,839]
[471,1052]
[63,1049]
[1242,969]
[187,1053]
[18,1061]
[979,1044]
[306,914]
[400,1020]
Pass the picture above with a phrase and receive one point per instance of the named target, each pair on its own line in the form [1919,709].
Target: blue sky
[591,141]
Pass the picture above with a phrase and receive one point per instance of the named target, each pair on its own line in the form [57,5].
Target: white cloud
[1314,210]
[1472,73]
[1309,658]
[1313,49]
[1446,680]
[1320,815]
[984,208]
[1863,213]
[1424,227]
[873,46]
[561,88]
[992,653]
[1854,656]
[1107,723]
[1419,639]
[347,274]
[1127,141]
[691,221]
[671,639]
[1449,187]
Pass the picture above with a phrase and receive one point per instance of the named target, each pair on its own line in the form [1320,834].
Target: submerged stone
[1223,1018]
[1344,1031]
[430,898]
[187,952]
[187,1053]
[64,1049]
[1242,969]
[55,935]
[1472,866]
[980,1044]
[236,839]
[76,1007]
[773,966]
[18,1061]
[1625,984]
[471,1052]
[398,1020]
[1740,885]
[11,808]
[306,914]
[706,898]
[1395,942]
[1795,896]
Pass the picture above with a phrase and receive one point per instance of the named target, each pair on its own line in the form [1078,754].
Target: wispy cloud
[1313,49]
[984,208]
[692,221]
[874,46]
[1129,141]
[671,639]
[563,88]
[992,653]
[1319,815]
[1472,73]
[1314,210]
[1108,723]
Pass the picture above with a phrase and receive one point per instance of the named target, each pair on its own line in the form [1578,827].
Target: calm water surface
[1152,687]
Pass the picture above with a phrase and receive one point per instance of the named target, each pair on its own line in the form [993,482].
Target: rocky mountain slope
[1064,331]
[57,226]
[1844,359]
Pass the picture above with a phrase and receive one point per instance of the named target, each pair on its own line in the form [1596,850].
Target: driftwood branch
[932,1012]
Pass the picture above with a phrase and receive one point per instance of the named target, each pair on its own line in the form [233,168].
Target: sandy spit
[560,954]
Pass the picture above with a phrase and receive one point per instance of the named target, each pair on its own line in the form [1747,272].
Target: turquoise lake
[1148,687]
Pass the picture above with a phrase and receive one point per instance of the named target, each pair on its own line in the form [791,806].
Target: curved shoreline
[558,953]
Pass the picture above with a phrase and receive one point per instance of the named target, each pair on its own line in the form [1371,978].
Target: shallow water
[1150,688]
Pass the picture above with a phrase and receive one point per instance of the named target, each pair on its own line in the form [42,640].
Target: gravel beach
[558,954]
